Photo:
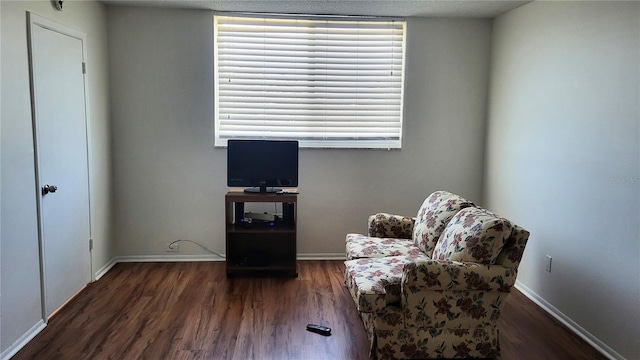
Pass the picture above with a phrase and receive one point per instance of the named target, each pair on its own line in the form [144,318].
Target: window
[329,83]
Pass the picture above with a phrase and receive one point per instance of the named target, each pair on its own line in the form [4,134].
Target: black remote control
[322,330]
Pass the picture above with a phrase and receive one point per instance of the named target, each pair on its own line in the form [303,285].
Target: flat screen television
[262,165]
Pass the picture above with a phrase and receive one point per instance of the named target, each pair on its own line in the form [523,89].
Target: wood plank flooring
[190,310]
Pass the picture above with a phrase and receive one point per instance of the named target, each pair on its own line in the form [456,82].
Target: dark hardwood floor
[192,311]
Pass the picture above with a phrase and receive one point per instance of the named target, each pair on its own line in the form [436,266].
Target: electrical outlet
[172,248]
[548,263]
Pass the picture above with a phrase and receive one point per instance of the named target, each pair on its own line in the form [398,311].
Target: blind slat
[265,96]
[306,120]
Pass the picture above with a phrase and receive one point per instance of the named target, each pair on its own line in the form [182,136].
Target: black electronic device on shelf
[262,165]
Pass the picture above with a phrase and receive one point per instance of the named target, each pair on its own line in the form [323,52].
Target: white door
[60,125]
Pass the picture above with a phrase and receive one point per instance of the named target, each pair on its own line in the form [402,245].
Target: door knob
[49,189]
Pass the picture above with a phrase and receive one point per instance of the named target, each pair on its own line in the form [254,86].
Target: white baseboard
[322,256]
[103,270]
[23,340]
[183,258]
[603,348]
[166,258]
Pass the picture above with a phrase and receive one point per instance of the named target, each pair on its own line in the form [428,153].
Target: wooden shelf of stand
[275,246]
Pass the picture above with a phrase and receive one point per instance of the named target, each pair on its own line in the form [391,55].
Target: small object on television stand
[287,192]
[262,189]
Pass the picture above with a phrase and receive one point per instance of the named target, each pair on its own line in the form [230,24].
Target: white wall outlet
[172,248]
[548,263]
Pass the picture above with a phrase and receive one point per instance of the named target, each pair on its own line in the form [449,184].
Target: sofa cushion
[361,246]
[375,282]
[434,215]
[473,235]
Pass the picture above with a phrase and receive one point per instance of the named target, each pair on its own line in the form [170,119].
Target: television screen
[263,165]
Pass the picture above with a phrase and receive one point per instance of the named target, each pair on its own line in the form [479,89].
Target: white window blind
[327,83]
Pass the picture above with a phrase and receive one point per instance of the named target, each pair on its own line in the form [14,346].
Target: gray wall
[170,181]
[0,182]
[20,282]
[563,159]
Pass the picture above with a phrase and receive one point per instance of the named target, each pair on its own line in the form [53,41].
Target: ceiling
[402,8]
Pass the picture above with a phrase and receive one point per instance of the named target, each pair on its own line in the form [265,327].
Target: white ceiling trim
[402,8]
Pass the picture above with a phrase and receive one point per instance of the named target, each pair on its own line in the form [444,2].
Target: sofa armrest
[454,294]
[385,225]
[436,275]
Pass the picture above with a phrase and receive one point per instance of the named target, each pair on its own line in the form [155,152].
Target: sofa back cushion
[434,215]
[473,235]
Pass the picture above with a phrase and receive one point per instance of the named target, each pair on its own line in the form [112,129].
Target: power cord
[193,242]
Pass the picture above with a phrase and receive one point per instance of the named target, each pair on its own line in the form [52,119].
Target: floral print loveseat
[433,286]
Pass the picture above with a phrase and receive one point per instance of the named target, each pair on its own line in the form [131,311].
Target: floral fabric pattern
[417,302]
[429,274]
[360,246]
[474,235]
[452,309]
[374,283]
[393,342]
[511,254]
[434,215]
[452,294]
[385,225]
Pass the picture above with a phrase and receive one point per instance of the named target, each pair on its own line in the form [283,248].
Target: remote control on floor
[322,330]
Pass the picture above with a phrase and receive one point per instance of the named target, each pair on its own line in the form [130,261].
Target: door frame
[34,20]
